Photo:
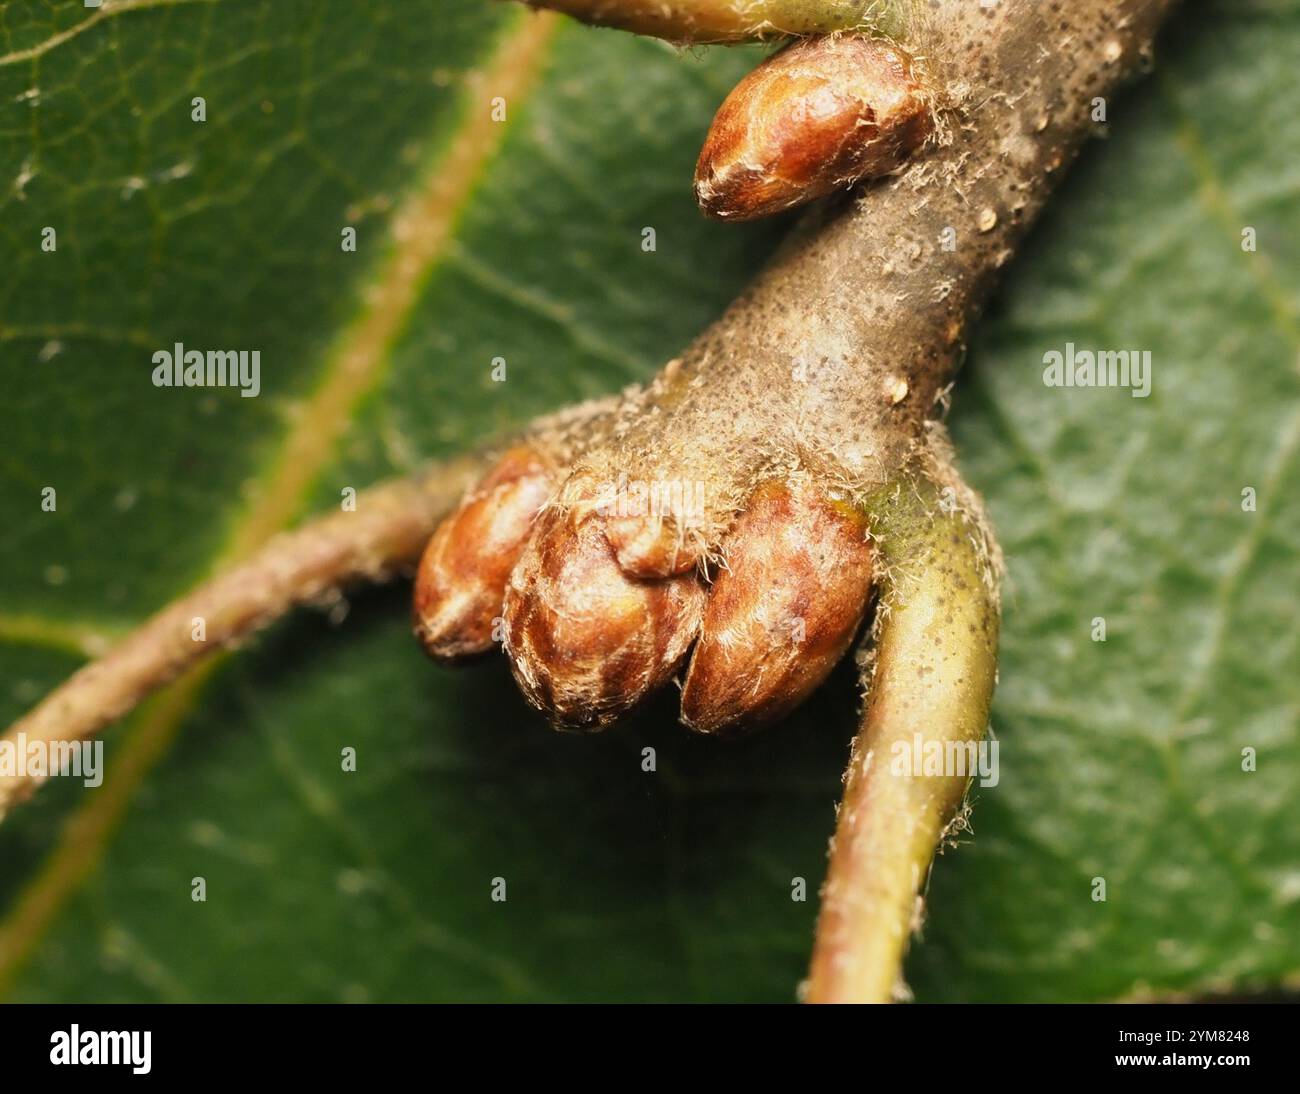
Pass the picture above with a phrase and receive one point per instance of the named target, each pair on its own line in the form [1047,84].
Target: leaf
[1119,759]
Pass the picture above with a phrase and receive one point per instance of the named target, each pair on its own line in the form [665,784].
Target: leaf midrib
[419,229]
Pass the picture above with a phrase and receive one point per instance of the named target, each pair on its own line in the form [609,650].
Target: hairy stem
[847,341]
[704,21]
[935,663]
[1017,81]
[385,533]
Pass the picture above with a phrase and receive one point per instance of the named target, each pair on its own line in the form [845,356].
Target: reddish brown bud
[641,520]
[783,611]
[816,117]
[461,581]
[650,546]
[586,641]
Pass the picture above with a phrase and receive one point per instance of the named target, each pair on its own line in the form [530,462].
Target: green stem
[935,667]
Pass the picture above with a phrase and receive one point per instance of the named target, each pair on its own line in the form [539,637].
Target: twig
[704,21]
[389,526]
[1019,79]
[935,662]
[877,294]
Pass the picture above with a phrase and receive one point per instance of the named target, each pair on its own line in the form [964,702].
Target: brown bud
[650,546]
[782,612]
[816,117]
[640,521]
[586,641]
[461,581]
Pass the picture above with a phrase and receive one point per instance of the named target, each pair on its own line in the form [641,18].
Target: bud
[643,532]
[586,641]
[782,612]
[461,580]
[650,546]
[814,118]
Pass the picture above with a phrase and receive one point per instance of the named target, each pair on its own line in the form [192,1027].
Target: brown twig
[705,21]
[384,533]
[876,294]
[1020,78]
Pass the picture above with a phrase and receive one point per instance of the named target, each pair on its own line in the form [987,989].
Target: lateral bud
[819,116]
[783,610]
[461,580]
[586,641]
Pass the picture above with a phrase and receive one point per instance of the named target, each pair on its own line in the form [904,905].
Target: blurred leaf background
[1120,759]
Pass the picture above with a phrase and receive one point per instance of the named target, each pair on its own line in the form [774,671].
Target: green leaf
[1120,759]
